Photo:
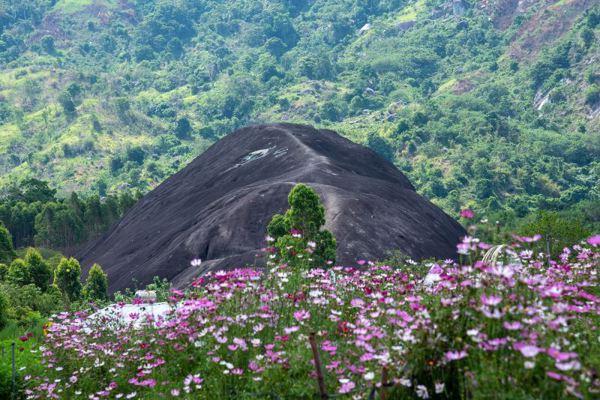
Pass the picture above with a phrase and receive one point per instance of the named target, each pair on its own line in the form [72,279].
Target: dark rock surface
[217,208]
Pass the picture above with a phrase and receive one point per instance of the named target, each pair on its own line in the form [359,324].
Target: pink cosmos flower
[594,240]
[329,347]
[357,303]
[527,239]
[554,375]
[527,350]
[467,214]
[455,355]
[347,386]
[512,326]
[192,379]
[560,356]
[291,329]
[490,300]
[301,315]
[569,365]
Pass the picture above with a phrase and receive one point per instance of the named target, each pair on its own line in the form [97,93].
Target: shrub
[3,271]
[3,310]
[592,96]
[47,43]
[38,269]
[18,273]
[183,129]
[96,287]
[7,252]
[67,277]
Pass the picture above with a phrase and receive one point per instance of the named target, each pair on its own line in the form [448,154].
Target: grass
[8,133]
[410,13]
[27,358]
[73,6]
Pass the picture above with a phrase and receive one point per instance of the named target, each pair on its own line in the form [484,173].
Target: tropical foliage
[479,103]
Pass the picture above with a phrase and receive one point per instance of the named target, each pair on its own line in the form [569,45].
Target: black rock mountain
[217,208]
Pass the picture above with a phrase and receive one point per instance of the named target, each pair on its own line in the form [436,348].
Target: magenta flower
[357,303]
[490,300]
[554,375]
[468,214]
[512,326]
[527,350]
[347,386]
[329,347]
[527,239]
[594,240]
[301,315]
[291,329]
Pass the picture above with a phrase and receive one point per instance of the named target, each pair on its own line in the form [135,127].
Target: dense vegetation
[479,103]
[35,216]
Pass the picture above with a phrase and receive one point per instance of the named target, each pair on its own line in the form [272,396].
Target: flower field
[504,323]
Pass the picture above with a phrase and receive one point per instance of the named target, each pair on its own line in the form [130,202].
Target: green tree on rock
[7,252]
[299,230]
[96,286]
[67,277]
[38,269]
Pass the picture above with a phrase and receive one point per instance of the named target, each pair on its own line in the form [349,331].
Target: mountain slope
[217,208]
[490,103]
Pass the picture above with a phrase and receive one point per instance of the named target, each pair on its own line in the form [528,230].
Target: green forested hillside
[493,104]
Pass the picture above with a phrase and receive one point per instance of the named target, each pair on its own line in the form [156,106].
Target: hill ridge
[221,218]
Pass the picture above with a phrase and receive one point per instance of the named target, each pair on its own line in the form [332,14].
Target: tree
[3,272]
[123,106]
[587,35]
[96,286]
[3,310]
[136,154]
[67,277]
[183,129]
[66,101]
[299,230]
[18,273]
[275,47]
[47,43]
[381,146]
[38,269]
[7,252]
[32,190]
[592,96]
[557,231]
